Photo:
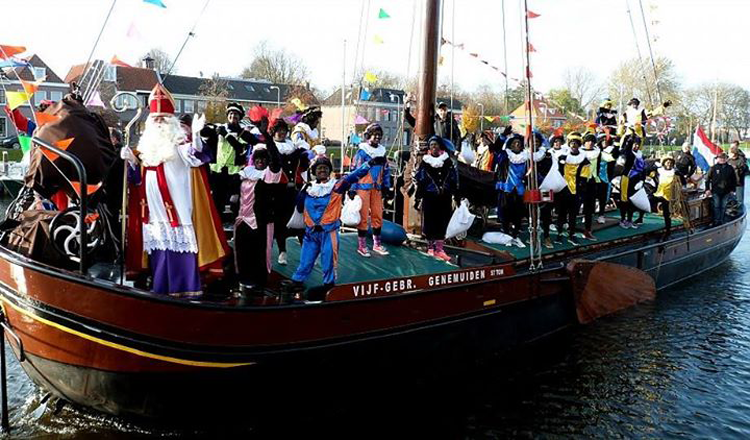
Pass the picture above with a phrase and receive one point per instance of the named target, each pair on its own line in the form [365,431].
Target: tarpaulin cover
[476,185]
[352,268]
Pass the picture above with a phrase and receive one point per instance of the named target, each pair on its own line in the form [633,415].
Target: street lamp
[481,118]
[278,95]
[397,98]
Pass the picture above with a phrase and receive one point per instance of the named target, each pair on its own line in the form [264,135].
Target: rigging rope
[87,66]
[651,53]
[638,50]
[190,34]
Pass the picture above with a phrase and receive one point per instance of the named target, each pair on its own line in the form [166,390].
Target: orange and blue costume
[321,205]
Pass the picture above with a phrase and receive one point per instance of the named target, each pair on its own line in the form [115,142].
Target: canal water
[678,367]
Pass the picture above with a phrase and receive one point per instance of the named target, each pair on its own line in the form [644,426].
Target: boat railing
[82,196]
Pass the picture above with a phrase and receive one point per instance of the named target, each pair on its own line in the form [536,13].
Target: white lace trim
[252,173]
[591,154]
[164,237]
[321,189]
[665,174]
[574,159]
[516,158]
[556,153]
[286,148]
[378,151]
[435,162]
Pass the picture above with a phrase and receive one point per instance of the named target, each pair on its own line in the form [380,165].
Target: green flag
[25,142]
[383,14]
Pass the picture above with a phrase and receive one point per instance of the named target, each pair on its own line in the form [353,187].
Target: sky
[705,38]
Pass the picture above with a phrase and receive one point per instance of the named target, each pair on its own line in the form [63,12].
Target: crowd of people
[273,180]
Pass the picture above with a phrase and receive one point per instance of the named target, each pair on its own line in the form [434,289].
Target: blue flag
[11,62]
[156,3]
[364,95]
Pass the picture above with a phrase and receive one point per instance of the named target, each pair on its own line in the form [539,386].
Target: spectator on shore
[721,182]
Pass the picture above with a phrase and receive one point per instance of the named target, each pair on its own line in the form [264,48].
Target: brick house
[53,88]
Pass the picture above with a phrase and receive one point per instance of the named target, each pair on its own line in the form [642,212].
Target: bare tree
[385,79]
[583,86]
[275,65]
[216,92]
[635,78]
[162,60]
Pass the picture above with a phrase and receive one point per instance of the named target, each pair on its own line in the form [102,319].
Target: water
[678,367]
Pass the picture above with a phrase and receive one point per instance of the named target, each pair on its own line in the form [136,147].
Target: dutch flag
[704,150]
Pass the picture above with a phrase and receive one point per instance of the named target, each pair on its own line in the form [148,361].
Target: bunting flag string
[31,87]
[61,144]
[532,14]
[25,142]
[382,14]
[17,99]
[377,39]
[478,57]
[95,100]
[45,118]
[371,77]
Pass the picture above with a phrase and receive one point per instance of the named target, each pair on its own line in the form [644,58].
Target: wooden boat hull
[125,352]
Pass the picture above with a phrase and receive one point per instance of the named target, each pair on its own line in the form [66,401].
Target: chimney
[148,62]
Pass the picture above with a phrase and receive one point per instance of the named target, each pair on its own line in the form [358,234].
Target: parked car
[10,142]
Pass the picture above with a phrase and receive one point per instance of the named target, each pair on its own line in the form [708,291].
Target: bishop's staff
[126,144]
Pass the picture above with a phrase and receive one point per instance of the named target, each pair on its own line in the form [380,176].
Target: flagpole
[96,43]
[534,245]
[505,59]
[184,43]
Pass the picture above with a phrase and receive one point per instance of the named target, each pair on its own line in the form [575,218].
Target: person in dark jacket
[738,161]
[445,125]
[685,165]
[721,183]
[437,184]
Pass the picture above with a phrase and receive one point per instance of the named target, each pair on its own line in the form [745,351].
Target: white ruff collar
[639,154]
[666,173]
[321,189]
[311,133]
[286,148]
[252,173]
[557,153]
[482,148]
[379,151]
[517,158]
[575,160]
[435,162]
[591,154]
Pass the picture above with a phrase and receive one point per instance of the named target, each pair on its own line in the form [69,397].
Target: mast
[428,74]
[534,244]
[427,83]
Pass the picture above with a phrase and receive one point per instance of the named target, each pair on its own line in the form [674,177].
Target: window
[2,127]
[249,88]
[230,87]
[177,105]
[189,106]
[39,96]
[386,115]
[201,106]
[110,73]
[2,96]
[39,72]
[55,96]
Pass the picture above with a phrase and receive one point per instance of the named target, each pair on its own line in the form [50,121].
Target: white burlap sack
[350,213]
[460,221]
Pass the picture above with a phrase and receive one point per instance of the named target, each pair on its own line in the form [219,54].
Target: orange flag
[531,48]
[31,87]
[90,189]
[9,51]
[118,62]
[45,118]
[531,14]
[62,144]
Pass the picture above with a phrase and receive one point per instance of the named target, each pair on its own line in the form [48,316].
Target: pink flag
[358,120]
[95,101]
[531,14]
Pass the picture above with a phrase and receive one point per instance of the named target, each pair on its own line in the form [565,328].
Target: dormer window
[110,73]
[39,73]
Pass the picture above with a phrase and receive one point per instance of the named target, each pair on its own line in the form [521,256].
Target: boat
[90,339]
[12,176]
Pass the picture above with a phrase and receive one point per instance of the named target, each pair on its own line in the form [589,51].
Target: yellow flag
[489,118]
[17,99]
[377,39]
[298,103]
[371,77]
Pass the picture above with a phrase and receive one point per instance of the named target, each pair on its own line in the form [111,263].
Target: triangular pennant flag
[90,189]
[531,48]
[133,31]
[9,51]
[25,142]
[61,144]
[158,3]
[95,101]
[383,14]
[371,77]
[485,62]
[298,103]
[17,99]
[364,95]
[31,87]
[489,118]
[460,46]
[44,118]
[475,55]
[531,14]
[359,120]
[441,60]
[118,62]
[377,39]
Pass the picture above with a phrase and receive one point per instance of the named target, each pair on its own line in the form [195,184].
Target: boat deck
[405,261]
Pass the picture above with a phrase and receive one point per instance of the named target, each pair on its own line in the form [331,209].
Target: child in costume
[437,184]
[371,188]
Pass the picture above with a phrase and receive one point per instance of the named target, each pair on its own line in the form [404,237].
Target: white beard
[159,141]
